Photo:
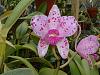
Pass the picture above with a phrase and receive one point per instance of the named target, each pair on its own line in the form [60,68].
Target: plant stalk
[56,56]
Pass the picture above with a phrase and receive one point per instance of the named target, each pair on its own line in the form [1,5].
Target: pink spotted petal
[42,48]
[68,26]
[88,45]
[92,38]
[63,48]
[39,24]
[53,17]
[85,56]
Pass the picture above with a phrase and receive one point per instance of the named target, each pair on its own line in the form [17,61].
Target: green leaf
[43,7]
[20,71]
[2,50]
[21,30]
[74,69]
[86,67]
[43,61]
[48,71]
[77,57]
[30,46]
[0,25]
[31,15]
[11,50]
[80,68]
[18,47]
[5,15]
[16,13]
[6,68]
[25,62]
[10,44]
[94,71]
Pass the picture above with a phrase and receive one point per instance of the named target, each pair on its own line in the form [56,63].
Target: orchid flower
[53,30]
[88,46]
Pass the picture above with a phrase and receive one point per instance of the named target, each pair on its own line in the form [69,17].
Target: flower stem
[54,52]
[56,56]
[77,36]
[64,65]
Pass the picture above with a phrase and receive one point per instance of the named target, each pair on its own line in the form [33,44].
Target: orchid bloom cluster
[53,30]
[88,46]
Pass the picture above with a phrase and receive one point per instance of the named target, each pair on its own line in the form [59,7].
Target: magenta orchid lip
[53,30]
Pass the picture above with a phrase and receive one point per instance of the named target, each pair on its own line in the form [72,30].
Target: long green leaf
[0,26]
[2,48]
[74,69]
[31,15]
[2,51]
[94,71]
[19,71]
[6,68]
[86,67]
[18,10]
[9,43]
[77,57]
[30,46]
[48,71]
[21,30]
[36,60]
[80,68]
[25,62]
[43,61]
